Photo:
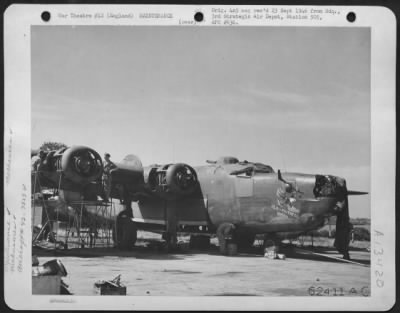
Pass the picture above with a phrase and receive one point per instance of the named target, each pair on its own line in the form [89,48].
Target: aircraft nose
[330,186]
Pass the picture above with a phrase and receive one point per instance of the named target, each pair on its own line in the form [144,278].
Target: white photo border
[17,143]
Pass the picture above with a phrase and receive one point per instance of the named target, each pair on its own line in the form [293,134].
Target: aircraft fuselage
[256,203]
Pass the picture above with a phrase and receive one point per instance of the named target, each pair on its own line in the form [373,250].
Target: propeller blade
[356,193]
[342,237]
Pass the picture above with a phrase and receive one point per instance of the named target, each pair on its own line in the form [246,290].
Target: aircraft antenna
[282,154]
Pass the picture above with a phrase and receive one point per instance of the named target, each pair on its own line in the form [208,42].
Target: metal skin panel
[149,208]
[219,189]
[188,209]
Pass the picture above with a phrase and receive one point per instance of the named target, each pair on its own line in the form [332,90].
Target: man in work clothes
[39,162]
[107,167]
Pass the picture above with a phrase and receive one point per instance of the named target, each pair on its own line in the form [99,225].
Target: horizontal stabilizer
[356,193]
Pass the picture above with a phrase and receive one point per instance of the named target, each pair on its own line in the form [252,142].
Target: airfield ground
[146,271]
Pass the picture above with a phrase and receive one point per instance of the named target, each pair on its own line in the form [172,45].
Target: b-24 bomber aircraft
[233,199]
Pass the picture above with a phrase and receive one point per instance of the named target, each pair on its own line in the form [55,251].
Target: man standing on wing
[108,165]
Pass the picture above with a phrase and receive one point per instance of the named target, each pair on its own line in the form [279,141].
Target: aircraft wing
[164,181]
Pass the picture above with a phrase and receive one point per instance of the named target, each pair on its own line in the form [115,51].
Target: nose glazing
[331,187]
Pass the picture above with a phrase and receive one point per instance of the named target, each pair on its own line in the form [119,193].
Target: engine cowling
[81,165]
[173,180]
[69,168]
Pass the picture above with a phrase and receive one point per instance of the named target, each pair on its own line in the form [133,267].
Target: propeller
[343,228]
[335,187]
[356,193]
[343,225]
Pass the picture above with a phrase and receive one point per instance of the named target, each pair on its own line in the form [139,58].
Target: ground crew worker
[38,164]
[107,167]
[352,234]
[92,236]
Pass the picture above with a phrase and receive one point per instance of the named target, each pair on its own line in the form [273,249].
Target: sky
[296,98]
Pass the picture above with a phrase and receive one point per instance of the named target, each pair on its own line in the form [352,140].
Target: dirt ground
[146,271]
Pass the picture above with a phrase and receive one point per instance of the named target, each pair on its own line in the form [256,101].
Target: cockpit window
[262,168]
[247,171]
[252,168]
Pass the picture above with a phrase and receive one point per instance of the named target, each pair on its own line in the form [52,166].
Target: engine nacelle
[172,180]
[81,165]
[70,168]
